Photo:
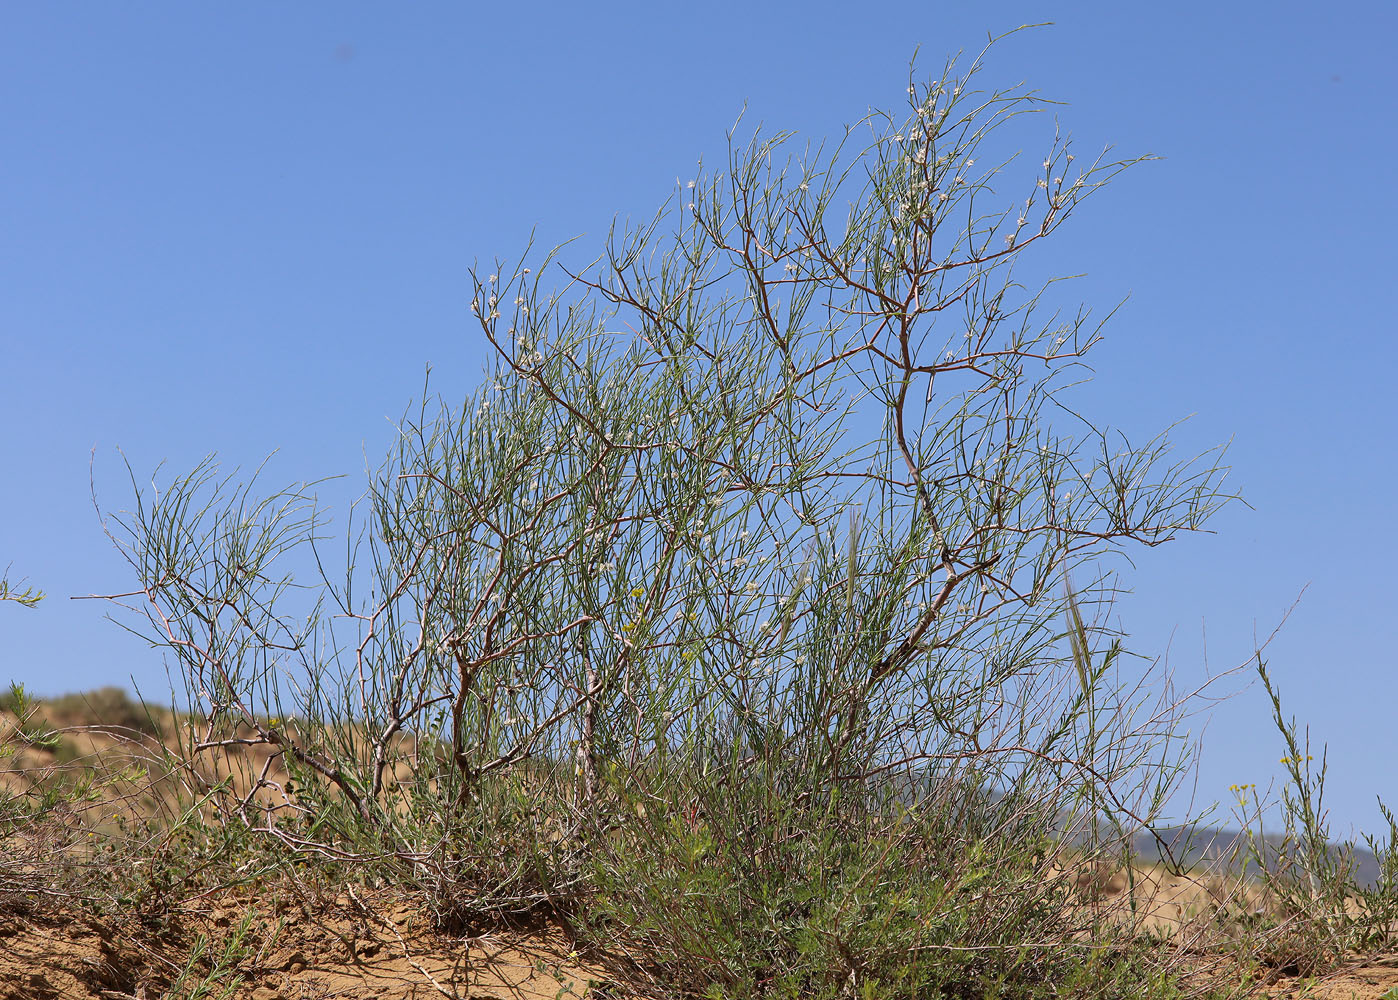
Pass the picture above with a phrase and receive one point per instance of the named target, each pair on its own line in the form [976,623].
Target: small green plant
[28,597]
[218,971]
[30,728]
[1323,916]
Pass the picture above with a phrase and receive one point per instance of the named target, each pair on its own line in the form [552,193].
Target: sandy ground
[362,946]
[1201,913]
[363,949]
[302,942]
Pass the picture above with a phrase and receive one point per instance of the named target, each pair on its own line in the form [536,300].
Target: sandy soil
[303,942]
[1201,913]
[353,948]
[361,946]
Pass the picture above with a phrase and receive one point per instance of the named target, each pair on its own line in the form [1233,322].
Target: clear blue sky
[242,228]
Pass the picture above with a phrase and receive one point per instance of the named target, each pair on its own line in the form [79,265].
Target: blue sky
[247,228]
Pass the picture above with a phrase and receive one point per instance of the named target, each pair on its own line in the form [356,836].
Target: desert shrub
[730,618]
[802,907]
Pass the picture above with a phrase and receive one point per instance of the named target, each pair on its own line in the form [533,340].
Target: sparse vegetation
[653,642]
[1318,913]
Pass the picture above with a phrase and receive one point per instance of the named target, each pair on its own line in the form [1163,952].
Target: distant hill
[1201,846]
[1190,846]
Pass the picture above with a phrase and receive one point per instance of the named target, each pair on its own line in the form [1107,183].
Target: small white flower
[751,587]
[1047,164]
